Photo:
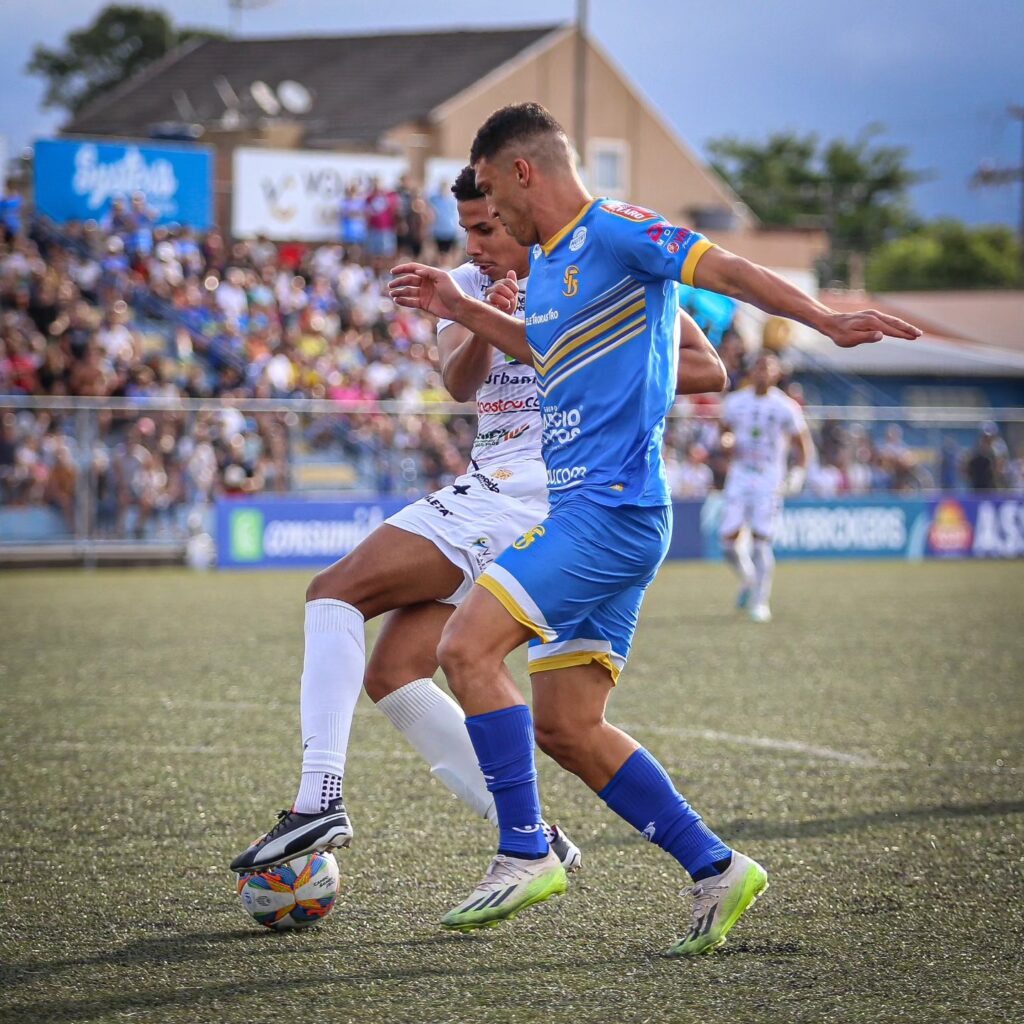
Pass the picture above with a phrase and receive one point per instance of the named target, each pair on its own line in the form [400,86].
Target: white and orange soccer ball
[293,895]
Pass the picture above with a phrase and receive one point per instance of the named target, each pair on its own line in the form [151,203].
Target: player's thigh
[405,648]
[392,568]
[735,513]
[764,514]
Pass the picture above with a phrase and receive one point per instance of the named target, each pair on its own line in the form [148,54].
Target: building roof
[363,85]
[965,334]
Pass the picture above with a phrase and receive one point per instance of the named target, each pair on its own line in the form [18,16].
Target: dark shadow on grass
[113,1004]
[746,828]
[815,827]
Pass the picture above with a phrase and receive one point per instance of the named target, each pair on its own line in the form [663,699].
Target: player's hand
[504,294]
[417,286]
[794,482]
[848,330]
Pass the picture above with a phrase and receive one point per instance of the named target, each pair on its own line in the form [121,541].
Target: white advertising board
[292,194]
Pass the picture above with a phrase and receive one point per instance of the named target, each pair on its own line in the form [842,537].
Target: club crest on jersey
[637,214]
[570,281]
[578,240]
[528,538]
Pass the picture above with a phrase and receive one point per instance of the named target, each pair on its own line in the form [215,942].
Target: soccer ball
[293,895]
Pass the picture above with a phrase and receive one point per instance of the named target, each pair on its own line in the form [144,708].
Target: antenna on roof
[294,97]
[264,98]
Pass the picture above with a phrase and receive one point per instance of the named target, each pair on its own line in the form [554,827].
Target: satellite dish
[294,97]
[264,98]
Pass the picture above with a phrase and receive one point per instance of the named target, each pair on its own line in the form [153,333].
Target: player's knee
[339,582]
[458,655]
[562,742]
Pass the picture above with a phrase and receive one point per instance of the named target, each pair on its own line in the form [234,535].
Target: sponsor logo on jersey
[521,543]
[487,482]
[570,281]
[542,318]
[565,477]
[502,474]
[530,404]
[500,377]
[637,214]
[560,426]
[578,240]
[537,252]
[672,247]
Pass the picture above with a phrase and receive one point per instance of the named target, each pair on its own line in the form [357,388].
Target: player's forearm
[465,362]
[732,275]
[490,325]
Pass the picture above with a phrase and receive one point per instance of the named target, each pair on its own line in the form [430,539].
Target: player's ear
[523,171]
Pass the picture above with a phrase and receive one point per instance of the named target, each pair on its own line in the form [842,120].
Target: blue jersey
[601,316]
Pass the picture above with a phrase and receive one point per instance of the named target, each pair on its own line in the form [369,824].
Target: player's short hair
[520,123]
[464,187]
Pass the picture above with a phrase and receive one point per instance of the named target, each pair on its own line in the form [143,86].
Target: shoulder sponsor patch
[636,214]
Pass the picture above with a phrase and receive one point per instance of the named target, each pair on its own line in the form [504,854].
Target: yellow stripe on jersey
[596,352]
[692,259]
[561,349]
[550,244]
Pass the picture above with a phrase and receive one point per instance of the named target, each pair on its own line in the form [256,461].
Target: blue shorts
[578,579]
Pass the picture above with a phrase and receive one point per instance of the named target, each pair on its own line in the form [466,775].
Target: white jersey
[762,426]
[508,409]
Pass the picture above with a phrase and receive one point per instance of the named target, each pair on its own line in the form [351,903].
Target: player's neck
[563,203]
[761,392]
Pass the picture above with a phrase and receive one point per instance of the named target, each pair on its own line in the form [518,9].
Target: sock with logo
[764,569]
[436,727]
[503,741]
[736,555]
[332,679]
[642,793]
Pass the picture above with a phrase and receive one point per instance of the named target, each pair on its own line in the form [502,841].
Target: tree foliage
[946,254]
[856,191]
[121,40]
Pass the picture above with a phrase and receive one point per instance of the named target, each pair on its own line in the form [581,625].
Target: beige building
[421,97]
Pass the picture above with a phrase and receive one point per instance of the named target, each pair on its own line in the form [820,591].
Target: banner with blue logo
[286,533]
[78,180]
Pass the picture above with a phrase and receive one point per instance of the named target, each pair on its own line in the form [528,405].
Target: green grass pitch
[866,747]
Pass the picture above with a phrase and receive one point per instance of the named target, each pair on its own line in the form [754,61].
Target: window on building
[608,162]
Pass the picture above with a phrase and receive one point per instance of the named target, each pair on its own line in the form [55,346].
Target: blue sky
[938,74]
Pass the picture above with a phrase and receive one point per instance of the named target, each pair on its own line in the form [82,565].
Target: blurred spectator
[986,467]
[446,219]
[381,221]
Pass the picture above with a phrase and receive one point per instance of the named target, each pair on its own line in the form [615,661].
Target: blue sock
[503,741]
[642,793]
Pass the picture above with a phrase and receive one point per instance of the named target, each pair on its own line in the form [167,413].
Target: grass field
[866,747]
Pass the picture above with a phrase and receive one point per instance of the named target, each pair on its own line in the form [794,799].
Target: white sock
[764,568]
[435,725]
[737,556]
[332,679]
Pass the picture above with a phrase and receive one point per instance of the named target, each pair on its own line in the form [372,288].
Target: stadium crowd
[127,309]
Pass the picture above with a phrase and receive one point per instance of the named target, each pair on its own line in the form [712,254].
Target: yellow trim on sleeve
[692,259]
[550,244]
[512,606]
[571,658]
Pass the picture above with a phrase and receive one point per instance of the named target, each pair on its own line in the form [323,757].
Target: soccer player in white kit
[764,423]
[419,565]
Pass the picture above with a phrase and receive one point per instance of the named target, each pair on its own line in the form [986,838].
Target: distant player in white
[418,566]
[763,425]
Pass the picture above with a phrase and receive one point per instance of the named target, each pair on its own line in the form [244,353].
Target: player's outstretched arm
[700,368]
[420,287]
[465,361]
[729,274]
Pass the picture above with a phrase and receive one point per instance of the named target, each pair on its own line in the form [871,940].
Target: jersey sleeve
[647,246]
[468,278]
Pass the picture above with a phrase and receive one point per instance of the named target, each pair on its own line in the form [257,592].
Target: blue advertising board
[287,533]
[78,180]
[294,533]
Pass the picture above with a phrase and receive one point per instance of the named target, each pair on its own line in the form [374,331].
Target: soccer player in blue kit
[599,328]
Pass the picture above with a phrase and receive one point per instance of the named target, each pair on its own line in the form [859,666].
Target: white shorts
[475,519]
[757,508]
